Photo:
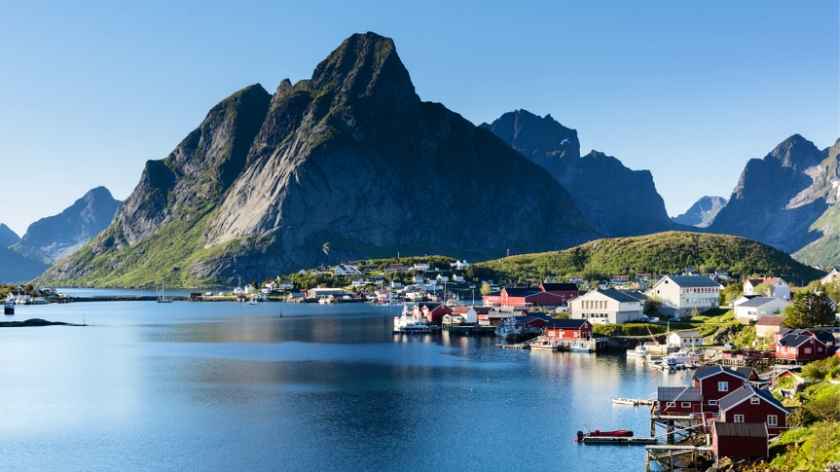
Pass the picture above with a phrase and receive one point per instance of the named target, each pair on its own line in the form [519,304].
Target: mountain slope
[779,199]
[350,160]
[60,235]
[825,250]
[669,252]
[702,213]
[15,267]
[617,200]
[7,236]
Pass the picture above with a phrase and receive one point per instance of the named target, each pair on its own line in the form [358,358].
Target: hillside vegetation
[658,253]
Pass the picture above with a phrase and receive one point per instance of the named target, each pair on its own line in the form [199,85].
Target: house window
[738,418]
[670,404]
[754,401]
[807,350]
[713,402]
[723,386]
[685,404]
[772,420]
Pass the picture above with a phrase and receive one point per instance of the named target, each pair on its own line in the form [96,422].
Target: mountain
[7,236]
[788,200]
[668,252]
[702,213]
[58,236]
[346,165]
[15,267]
[617,200]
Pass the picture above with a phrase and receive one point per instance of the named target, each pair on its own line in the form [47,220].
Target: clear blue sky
[690,90]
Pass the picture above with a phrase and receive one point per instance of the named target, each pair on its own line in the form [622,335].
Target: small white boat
[639,352]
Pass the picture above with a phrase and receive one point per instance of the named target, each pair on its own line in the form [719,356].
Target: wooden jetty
[619,440]
[677,457]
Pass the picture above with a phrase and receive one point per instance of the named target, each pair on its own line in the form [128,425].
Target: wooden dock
[619,440]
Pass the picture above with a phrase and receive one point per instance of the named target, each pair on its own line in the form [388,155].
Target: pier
[619,440]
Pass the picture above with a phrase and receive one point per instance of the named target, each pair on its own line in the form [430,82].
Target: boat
[162,297]
[9,306]
[625,401]
[406,323]
[639,352]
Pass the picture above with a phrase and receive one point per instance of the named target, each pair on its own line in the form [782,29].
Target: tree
[809,309]
[730,293]
[652,306]
[485,288]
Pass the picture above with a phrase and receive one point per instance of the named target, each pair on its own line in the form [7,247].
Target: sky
[689,90]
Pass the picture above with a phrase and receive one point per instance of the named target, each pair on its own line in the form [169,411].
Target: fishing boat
[9,306]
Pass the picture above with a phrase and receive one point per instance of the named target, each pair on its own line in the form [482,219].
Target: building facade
[683,294]
[606,306]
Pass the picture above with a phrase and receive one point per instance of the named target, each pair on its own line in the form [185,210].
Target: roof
[755,282]
[521,291]
[710,370]
[693,281]
[797,337]
[770,320]
[759,301]
[617,295]
[746,391]
[566,324]
[559,287]
[687,333]
[678,394]
[739,430]
[746,372]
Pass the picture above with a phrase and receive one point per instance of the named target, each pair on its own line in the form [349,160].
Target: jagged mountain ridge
[618,201]
[58,236]
[351,157]
[7,236]
[702,213]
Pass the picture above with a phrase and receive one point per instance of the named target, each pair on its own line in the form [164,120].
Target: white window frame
[755,400]
[738,418]
[807,350]
[772,420]
[670,404]
[713,402]
[685,404]
[723,386]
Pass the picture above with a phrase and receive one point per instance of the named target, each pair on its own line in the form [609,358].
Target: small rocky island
[35,322]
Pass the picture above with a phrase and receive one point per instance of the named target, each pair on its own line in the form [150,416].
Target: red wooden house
[565,291]
[740,441]
[492,299]
[748,404]
[678,401]
[716,382]
[434,312]
[802,345]
[568,329]
[525,296]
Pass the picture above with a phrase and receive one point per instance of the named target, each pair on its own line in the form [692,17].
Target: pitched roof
[744,392]
[739,430]
[693,281]
[678,394]
[521,291]
[566,324]
[770,320]
[559,287]
[759,301]
[617,295]
[797,337]
[710,370]
[746,372]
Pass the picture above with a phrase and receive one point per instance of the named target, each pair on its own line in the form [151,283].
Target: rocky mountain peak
[538,138]
[7,236]
[702,213]
[365,66]
[796,152]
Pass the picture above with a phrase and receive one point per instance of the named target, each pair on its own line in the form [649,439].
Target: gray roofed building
[710,370]
[618,295]
[740,430]
[694,281]
[746,391]
[678,394]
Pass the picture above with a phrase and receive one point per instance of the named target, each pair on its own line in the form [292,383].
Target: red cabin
[568,329]
[678,401]
[524,296]
[564,291]
[748,404]
[434,312]
[492,299]
[801,345]
[740,441]
[716,382]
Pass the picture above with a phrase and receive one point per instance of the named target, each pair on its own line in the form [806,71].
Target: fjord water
[275,386]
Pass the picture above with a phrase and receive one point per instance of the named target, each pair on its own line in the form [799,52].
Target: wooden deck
[632,440]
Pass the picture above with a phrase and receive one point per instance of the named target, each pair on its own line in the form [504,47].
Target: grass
[659,253]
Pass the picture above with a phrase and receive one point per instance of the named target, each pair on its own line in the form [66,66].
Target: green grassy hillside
[658,253]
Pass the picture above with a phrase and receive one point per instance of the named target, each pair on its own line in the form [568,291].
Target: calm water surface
[228,386]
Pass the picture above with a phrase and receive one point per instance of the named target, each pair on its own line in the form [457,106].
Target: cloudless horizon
[689,91]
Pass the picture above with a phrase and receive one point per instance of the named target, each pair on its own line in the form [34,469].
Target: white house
[686,339]
[832,276]
[459,265]
[754,308]
[776,287]
[606,306]
[420,267]
[346,269]
[682,294]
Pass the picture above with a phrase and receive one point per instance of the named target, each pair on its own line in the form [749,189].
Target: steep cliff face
[779,197]
[351,157]
[7,236]
[618,201]
[702,213]
[58,236]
